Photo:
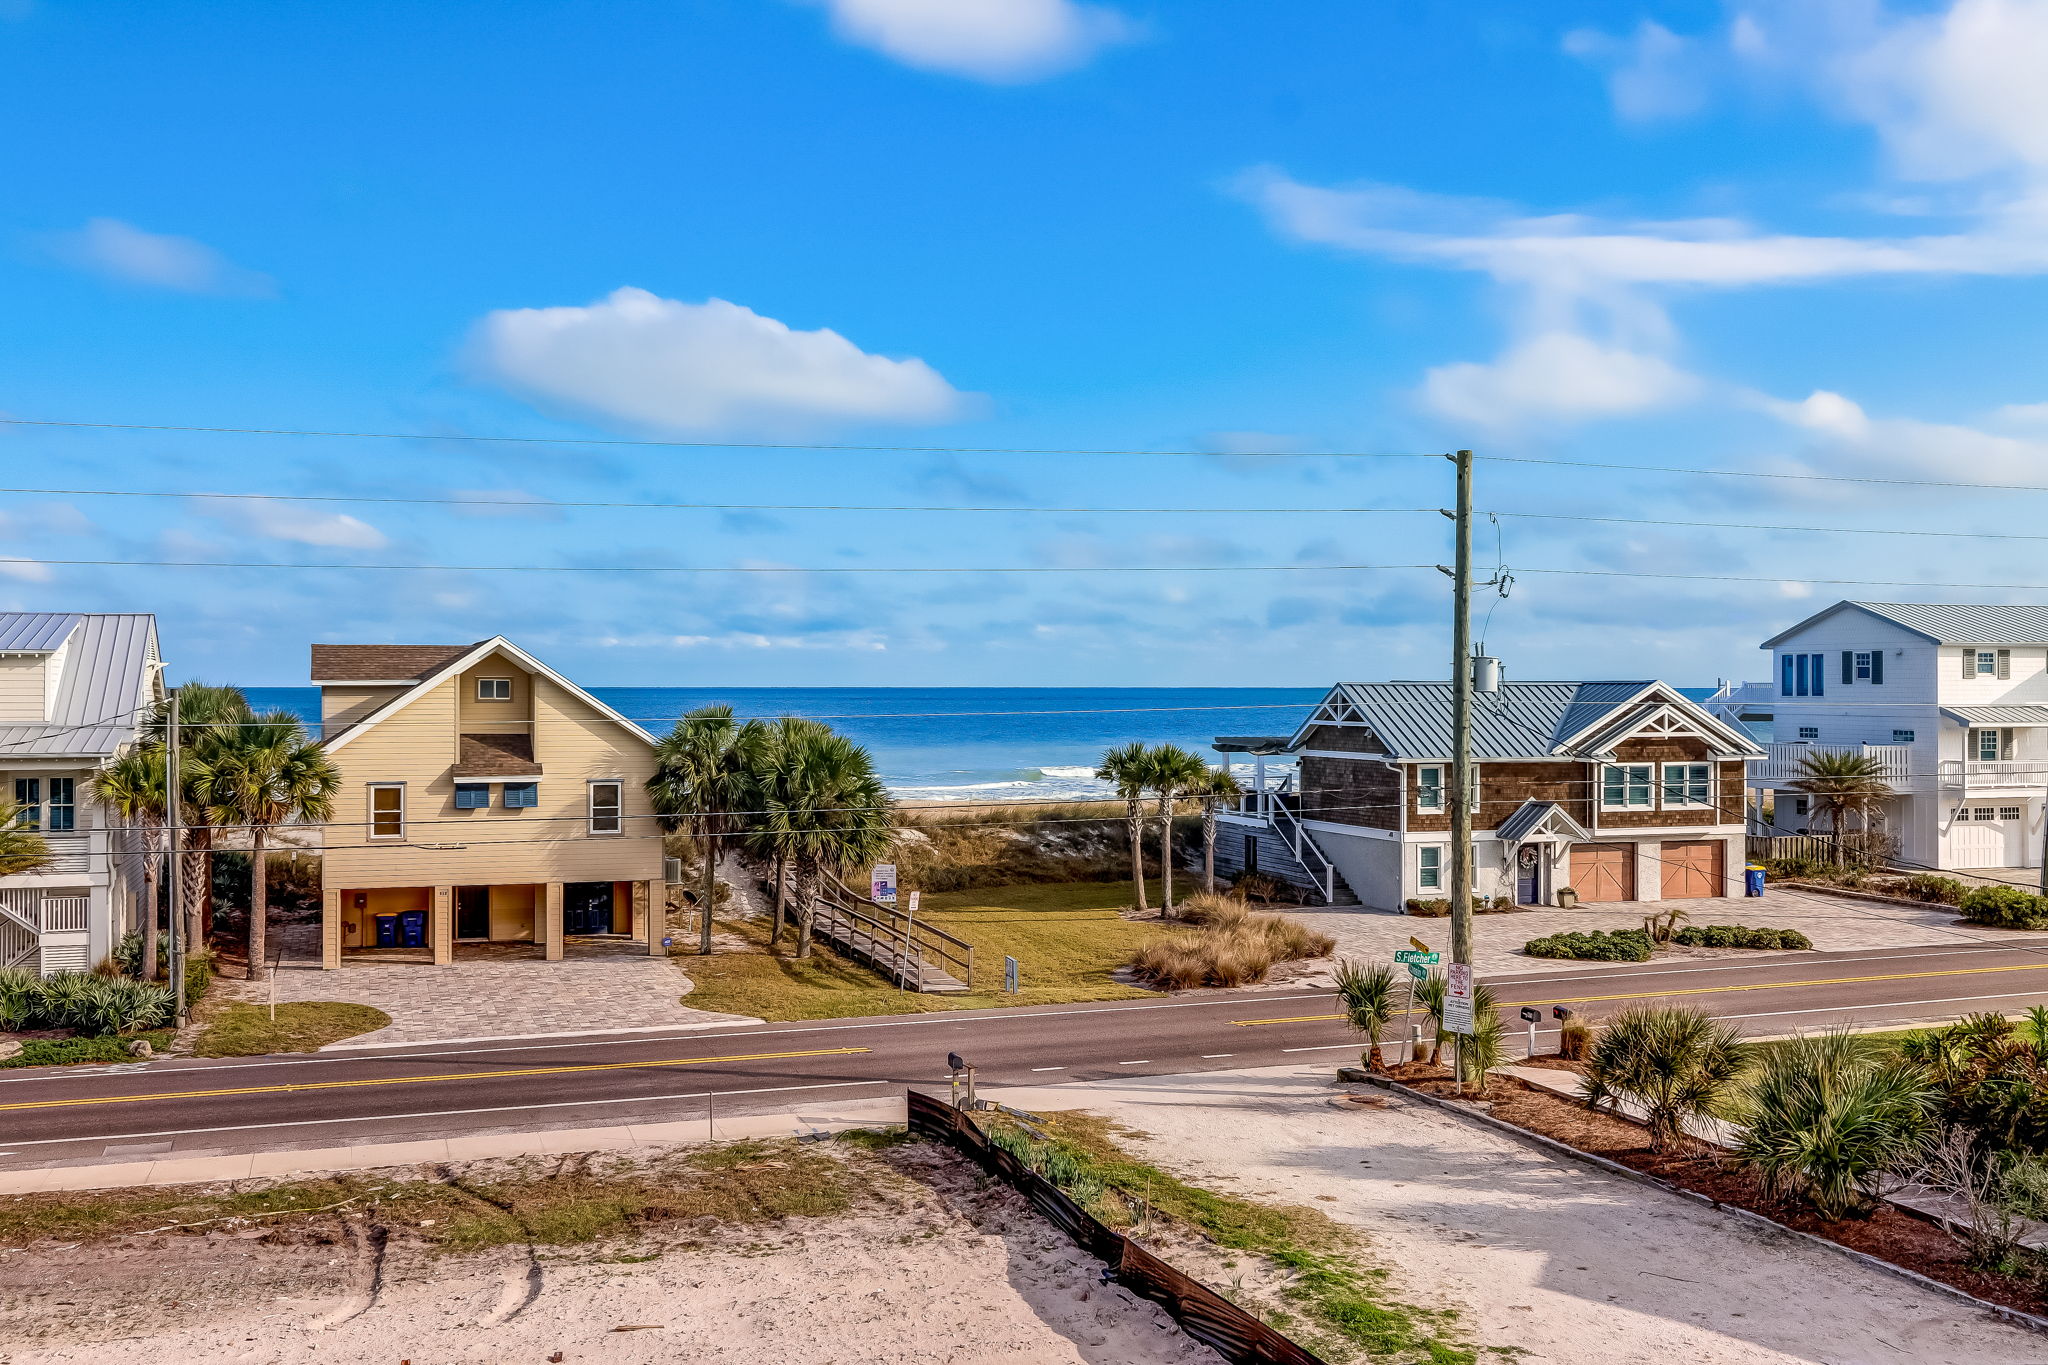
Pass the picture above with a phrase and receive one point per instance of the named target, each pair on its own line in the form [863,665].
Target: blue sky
[1797,238]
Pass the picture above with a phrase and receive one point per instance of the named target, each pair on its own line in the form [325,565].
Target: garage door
[1988,836]
[1604,872]
[1692,869]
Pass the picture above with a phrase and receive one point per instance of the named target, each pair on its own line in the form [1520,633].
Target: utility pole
[1461,719]
[174,819]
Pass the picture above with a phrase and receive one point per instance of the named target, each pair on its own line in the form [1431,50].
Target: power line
[724,445]
[1768,474]
[752,568]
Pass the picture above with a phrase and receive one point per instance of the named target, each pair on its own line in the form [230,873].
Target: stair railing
[1289,827]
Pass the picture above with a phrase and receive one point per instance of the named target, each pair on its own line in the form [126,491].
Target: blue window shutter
[472,796]
[1848,665]
[1820,676]
[1785,685]
[521,795]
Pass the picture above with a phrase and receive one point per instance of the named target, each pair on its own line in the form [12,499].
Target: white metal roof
[1945,623]
[108,683]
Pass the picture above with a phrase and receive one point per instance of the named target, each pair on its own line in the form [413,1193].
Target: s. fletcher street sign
[1411,956]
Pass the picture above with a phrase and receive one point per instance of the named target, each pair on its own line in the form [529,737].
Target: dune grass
[1067,938]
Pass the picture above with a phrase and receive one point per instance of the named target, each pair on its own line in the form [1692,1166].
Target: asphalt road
[203,1107]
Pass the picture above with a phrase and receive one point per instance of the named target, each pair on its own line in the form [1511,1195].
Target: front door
[587,908]
[472,912]
[1529,875]
[1604,872]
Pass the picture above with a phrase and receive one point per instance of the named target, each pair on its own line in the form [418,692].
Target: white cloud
[1651,74]
[1847,440]
[1552,377]
[704,367]
[286,521]
[989,40]
[122,251]
[25,570]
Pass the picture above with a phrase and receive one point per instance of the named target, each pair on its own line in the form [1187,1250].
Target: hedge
[2006,907]
[1741,936]
[1623,945]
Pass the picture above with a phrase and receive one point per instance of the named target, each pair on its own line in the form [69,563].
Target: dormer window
[494,689]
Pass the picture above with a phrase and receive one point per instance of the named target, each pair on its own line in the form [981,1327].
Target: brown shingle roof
[496,756]
[381,663]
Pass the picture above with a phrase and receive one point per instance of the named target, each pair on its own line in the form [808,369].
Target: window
[1902,736]
[1429,867]
[1860,664]
[1986,745]
[1799,805]
[2008,812]
[1688,784]
[521,795]
[605,815]
[1429,788]
[472,796]
[1809,732]
[1625,785]
[387,810]
[1987,663]
[494,689]
[28,801]
[1804,675]
[62,812]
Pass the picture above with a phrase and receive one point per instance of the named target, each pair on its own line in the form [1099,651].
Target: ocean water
[971,743]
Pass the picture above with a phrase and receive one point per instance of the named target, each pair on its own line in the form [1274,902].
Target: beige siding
[21,689]
[494,847]
[342,706]
[495,717]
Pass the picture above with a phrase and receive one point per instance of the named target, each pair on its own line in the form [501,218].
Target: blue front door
[1528,875]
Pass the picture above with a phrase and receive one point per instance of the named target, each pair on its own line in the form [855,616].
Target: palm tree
[1128,768]
[703,776]
[21,848]
[1172,773]
[265,773]
[1367,994]
[774,785]
[826,811]
[1676,1063]
[1830,1116]
[1843,784]
[1212,791]
[133,788]
[208,717]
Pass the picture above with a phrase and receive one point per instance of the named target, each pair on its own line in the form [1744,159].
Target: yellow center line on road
[1699,990]
[418,1080]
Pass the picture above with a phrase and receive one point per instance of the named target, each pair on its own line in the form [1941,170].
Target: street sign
[1010,974]
[915,898]
[1530,1015]
[882,884]
[1418,945]
[1412,956]
[1418,971]
[1458,998]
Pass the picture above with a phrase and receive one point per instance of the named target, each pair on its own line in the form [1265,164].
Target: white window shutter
[2005,742]
[1969,663]
[2005,663]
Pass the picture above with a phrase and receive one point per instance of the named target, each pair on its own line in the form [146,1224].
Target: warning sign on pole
[1458,998]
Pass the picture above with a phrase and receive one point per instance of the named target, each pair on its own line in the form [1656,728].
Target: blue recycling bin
[387,931]
[412,929]
[1753,879]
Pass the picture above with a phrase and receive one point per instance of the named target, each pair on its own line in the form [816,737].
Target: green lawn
[1067,937]
[242,1030]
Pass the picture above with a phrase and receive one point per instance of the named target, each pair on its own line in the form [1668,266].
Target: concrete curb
[1740,1214]
[1848,894]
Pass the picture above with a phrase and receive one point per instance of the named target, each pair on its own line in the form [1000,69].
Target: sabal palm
[1367,994]
[1843,784]
[775,779]
[267,772]
[703,779]
[1830,1115]
[133,788]
[208,717]
[1172,773]
[1216,787]
[824,811]
[1128,768]
[21,849]
[1677,1064]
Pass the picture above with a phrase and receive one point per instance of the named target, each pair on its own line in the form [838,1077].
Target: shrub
[1485,1049]
[1940,890]
[1831,1115]
[1741,936]
[1261,886]
[1622,945]
[1574,1040]
[1429,907]
[1675,1063]
[2005,907]
[1229,947]
[1991,1077]
[91,1005]
[20,999]
[1368,996]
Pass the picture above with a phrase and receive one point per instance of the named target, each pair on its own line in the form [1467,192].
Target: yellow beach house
[486,801]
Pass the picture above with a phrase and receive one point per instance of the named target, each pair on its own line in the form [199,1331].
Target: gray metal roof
[107,681]
[1530,814]
[35,632]
[1521,720]
[1947,623]
[1997,715]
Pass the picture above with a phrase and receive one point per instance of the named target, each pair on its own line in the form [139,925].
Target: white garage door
[1988,836]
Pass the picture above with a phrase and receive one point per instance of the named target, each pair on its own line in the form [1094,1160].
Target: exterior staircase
[1287,849]
[916,956]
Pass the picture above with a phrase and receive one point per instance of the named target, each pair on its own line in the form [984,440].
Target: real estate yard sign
[882,884]
[1458,998]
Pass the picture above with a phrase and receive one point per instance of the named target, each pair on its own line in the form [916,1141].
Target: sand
[950,1271]
[1539,1252]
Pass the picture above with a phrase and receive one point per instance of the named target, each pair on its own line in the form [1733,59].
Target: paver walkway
[1833,923]
[599,988]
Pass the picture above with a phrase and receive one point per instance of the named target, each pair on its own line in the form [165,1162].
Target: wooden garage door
[1604,872]
[1692,869]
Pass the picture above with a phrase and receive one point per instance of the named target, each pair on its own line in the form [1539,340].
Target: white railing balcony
[1994,774]
[1785,764]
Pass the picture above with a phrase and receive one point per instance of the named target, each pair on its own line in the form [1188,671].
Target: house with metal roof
[76,689]
[1949,705]
[1615,791]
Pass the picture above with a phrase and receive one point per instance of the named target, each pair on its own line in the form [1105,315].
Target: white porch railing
[1783,762]
[26,915]
[1288,826]
[1994,774]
